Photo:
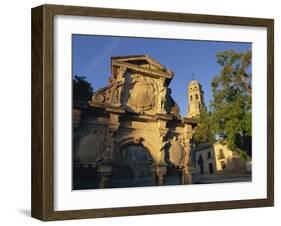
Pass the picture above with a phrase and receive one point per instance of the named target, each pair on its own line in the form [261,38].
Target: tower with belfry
[195,99]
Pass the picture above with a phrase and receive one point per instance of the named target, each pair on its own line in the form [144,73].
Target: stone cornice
[148,72]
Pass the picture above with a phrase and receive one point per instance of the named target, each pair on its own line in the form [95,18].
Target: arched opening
[133,167]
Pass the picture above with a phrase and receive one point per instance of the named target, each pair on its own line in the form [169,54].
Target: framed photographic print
[141,112]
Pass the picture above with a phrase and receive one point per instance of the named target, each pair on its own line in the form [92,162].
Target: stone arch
[134,164]
[125,142]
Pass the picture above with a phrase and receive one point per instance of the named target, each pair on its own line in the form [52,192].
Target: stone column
[105,171]
[186,175]
[187,166]
[161,171]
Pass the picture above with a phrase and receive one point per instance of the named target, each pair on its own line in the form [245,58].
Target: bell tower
[195,99]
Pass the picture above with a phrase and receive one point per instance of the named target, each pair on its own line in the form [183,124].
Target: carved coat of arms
[141,95]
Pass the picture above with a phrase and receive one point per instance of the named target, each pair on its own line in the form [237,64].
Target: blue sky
[91,58]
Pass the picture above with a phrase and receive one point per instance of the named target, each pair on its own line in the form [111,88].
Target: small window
[200,160]
[209,155]
[222,164]
[196,96]
[191,98]
[221,154]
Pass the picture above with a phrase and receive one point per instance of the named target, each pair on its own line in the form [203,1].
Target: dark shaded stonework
[130,133]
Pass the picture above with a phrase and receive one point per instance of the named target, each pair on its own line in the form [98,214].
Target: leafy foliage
[231,105]
[203,133]
[230,116]
[82,89]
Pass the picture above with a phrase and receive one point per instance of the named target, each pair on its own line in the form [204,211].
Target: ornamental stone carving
[176,152]
[163,99]
[141,94]
[135,109]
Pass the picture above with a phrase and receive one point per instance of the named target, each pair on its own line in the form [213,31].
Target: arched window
[190,98]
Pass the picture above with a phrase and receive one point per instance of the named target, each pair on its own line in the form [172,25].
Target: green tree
[231,105]
[203,133]
[82,89]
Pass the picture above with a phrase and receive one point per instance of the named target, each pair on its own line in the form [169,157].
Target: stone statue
[118,94]
[187,153]
[120,73]
[118,86]
[163,99]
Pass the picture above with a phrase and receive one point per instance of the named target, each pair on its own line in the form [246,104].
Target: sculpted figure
[120,73]
[162,99]
[119,86]
[187,152]
[118,94]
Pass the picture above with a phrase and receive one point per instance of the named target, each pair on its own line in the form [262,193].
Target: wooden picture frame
[43,112]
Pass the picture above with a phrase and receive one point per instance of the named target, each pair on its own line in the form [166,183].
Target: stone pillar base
[161,171]
[186,176]
[186,179]
[105,175]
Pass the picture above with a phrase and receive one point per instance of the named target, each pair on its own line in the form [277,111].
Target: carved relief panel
[112,94]
[91,145]
[141,94]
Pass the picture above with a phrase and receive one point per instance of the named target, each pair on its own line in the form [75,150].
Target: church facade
[130,133]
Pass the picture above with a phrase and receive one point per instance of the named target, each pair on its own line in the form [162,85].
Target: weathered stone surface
[176,152]
[91,145]
[195,98]
[135,108]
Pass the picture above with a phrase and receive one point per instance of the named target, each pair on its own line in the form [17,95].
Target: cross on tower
[193,76]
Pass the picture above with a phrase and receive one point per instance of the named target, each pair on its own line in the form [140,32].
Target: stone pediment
[138,84]
[143,64]
[139,59]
